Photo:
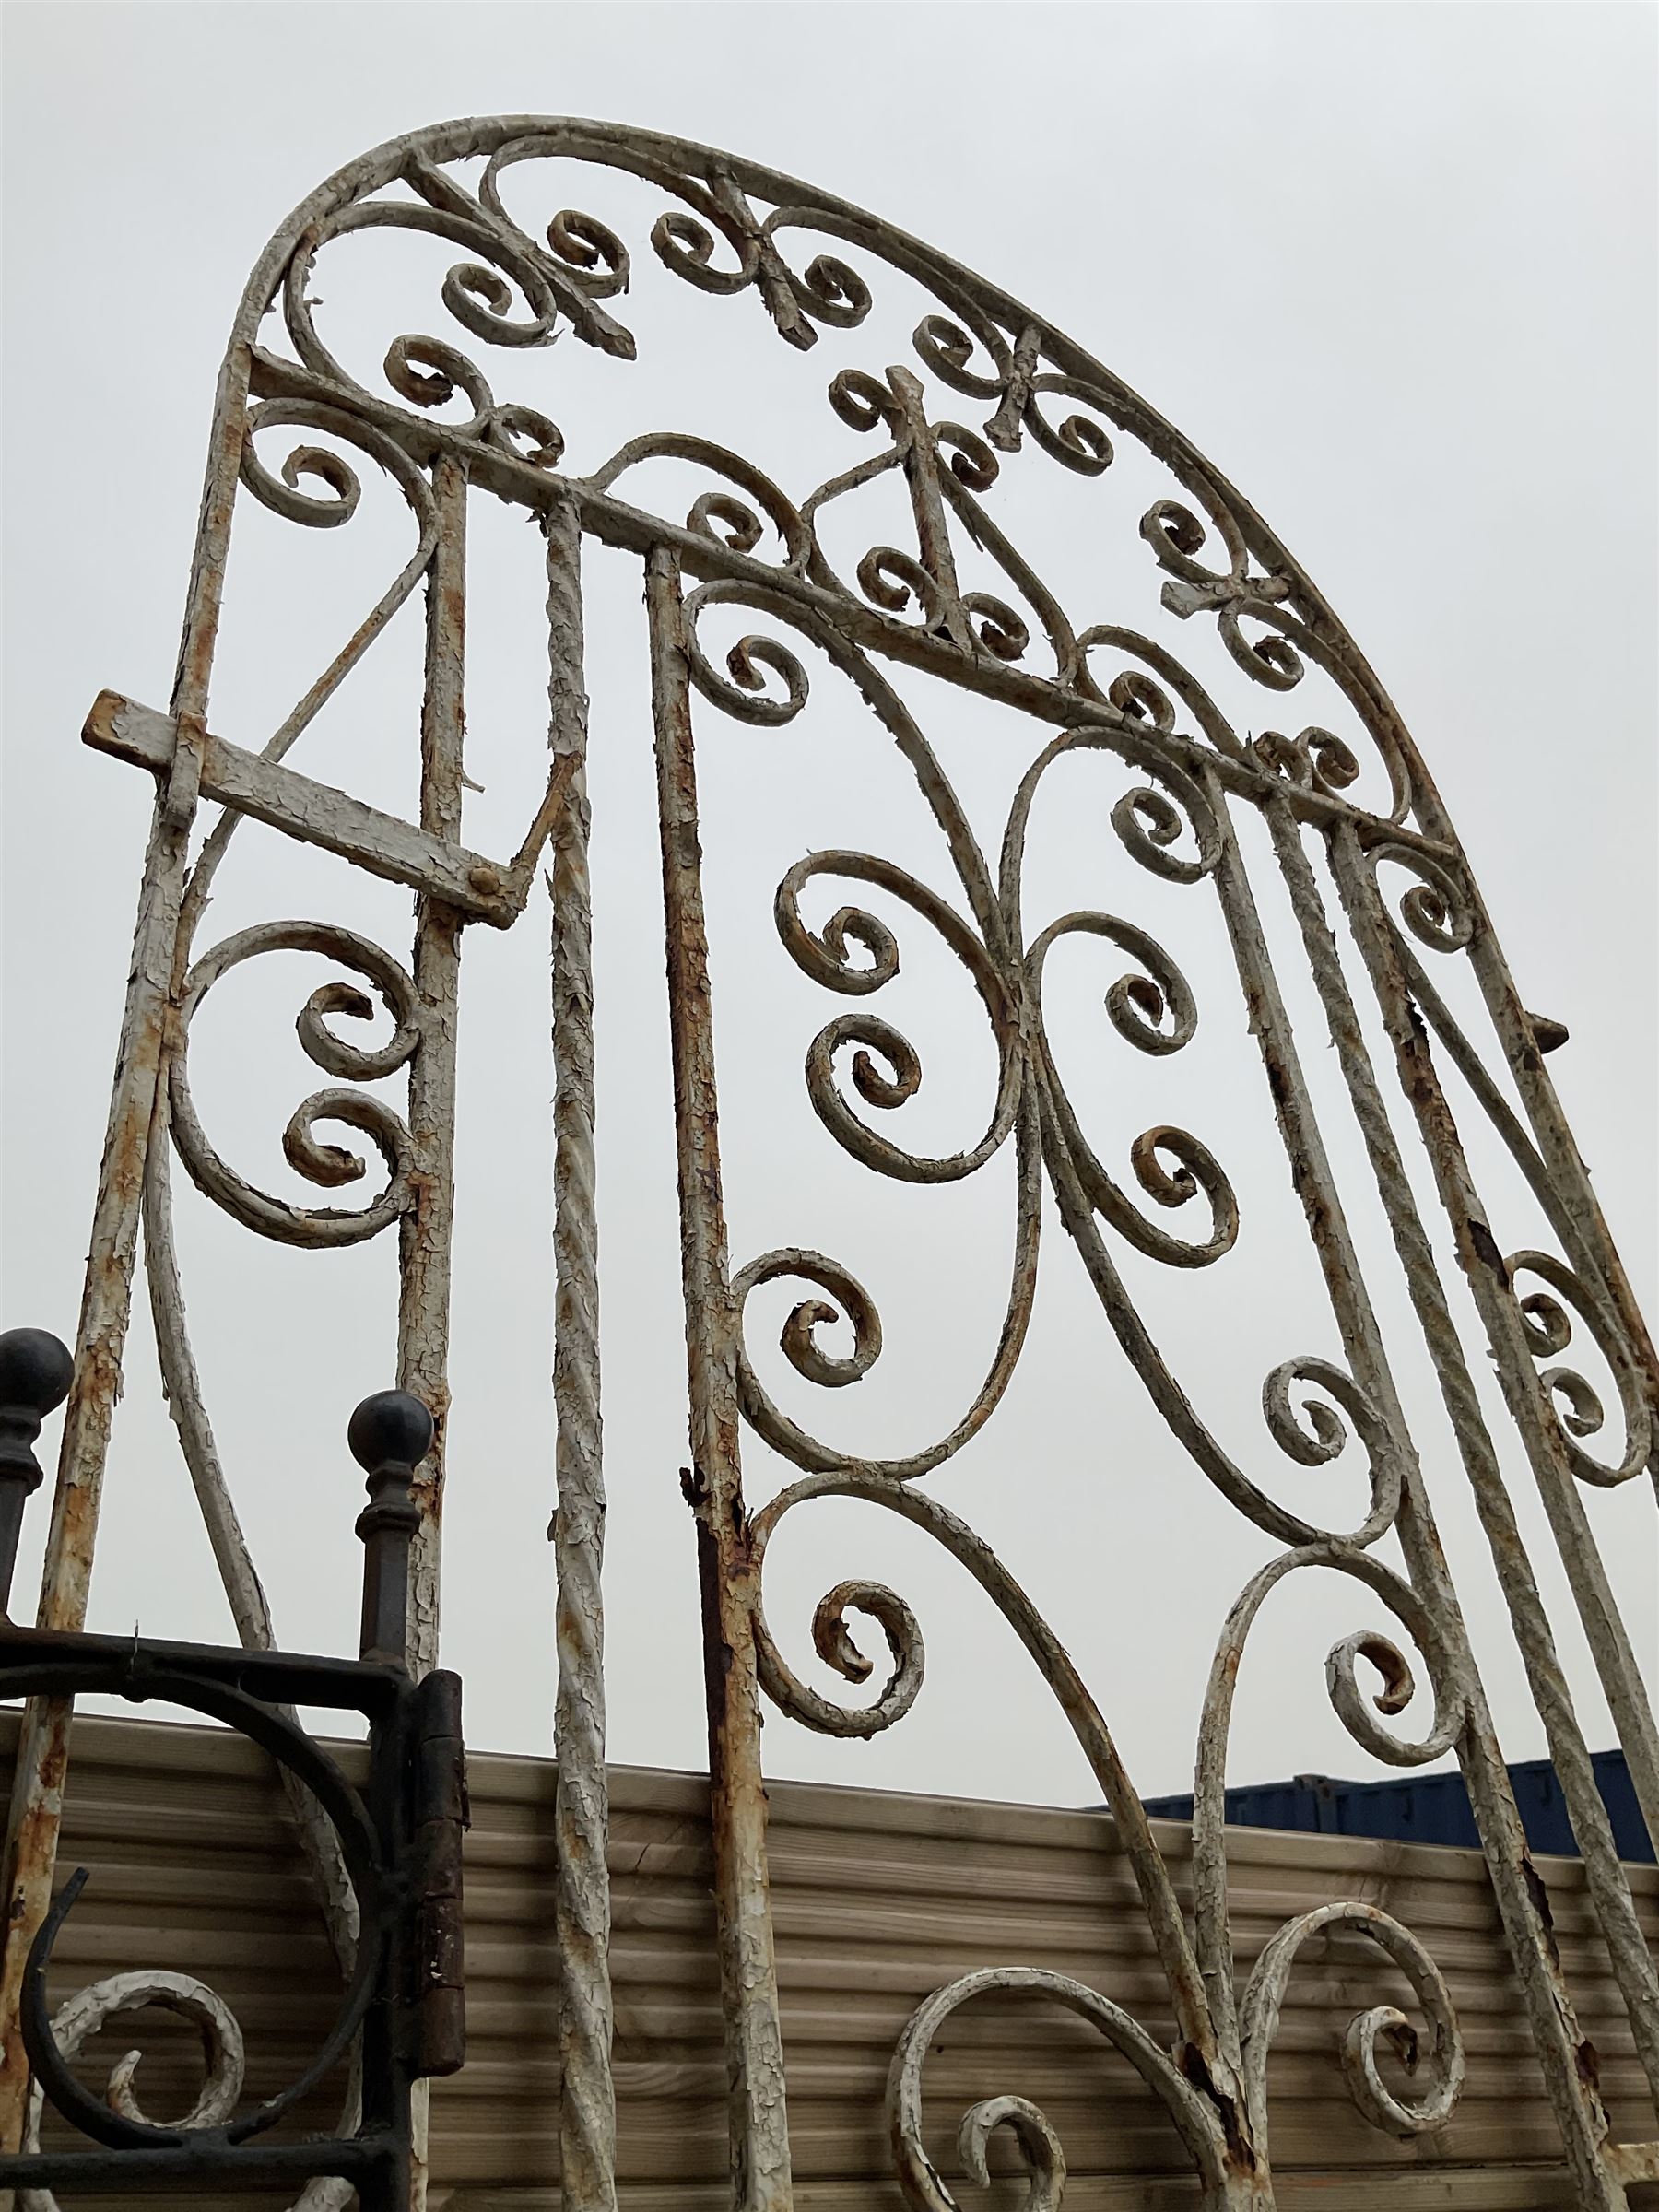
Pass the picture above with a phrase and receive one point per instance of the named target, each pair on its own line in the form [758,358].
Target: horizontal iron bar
[316,813]
[274,1678]
[140,2171]
[632,530]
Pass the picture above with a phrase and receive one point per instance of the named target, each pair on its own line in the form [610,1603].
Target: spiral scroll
[328,1165]
[89,2009]
[1573,1406]
[1039,2147]
[1369,2029]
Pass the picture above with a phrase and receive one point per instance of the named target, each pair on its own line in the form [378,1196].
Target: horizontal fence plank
[877,1900]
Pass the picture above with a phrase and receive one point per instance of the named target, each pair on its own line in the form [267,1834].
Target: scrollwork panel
[1158,662]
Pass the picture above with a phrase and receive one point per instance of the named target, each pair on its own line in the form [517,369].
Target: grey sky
[1390,267]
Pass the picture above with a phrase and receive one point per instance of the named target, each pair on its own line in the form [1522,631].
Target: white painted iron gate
[1363,847]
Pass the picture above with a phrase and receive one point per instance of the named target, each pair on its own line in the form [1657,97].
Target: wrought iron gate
[1081,683]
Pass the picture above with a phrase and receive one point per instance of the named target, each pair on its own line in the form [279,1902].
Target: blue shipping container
[1430,1808]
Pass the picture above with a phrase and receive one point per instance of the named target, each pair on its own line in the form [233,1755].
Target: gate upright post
[587,2133]
[106,1305]
[760,2132]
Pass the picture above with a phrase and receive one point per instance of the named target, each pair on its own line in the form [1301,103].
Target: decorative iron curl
[1050,1656]
[830,290]
[89,2009]
[1136,1005]
[281,492]
[479,293]
[743,693]
[83,2015]
[1314,1434]
[428,374]
[947,347]
[589,254]
[328,1165]
[823,956]
[684,244]
[1151,700]
[894,582]
[1571,1404]
[831,1638]
[1314,760]
[733,523]
[1342,1555]
[1339,1554]
[1151,819]
[1039,2147]
[1436,910]
[800,1346]
[1177,535]
[1380,2024]
[1079,442]
[119,2124]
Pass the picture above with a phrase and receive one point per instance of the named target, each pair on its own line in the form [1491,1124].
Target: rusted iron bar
[1517,1036]
[440,1994]
[315,813]
[1481,1260]
[426,1230]
[760,2128]
[587,2129]
[1577,1221]
[1583,1227]
[1566,2059]
[630,529]
[43,1747]
[921,461]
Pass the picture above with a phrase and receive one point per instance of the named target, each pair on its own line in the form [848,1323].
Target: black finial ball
[389,1430]
[35,1371]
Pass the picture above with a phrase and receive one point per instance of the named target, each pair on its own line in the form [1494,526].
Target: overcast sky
[1393,268]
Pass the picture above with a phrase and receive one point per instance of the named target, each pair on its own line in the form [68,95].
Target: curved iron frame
[733,229]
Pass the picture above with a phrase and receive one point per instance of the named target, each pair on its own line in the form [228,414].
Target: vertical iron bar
[439,1987]
[1565,2056]
[927,505]
[760,2132]
[391,2103]
[1609,1890]
[1513,1025]
[587,2127]
[106,1305]
[425,1231]
[1591,1248]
